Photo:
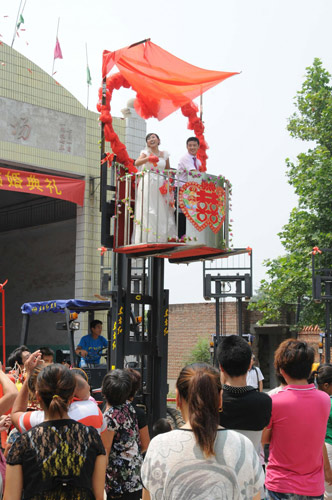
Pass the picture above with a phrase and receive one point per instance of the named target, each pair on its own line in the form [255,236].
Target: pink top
[298,423]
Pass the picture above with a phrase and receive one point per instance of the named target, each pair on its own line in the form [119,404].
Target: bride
[154,202]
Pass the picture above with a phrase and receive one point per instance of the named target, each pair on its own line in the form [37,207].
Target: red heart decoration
[203,205]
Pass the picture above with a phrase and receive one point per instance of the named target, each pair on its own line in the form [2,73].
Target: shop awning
[56,306]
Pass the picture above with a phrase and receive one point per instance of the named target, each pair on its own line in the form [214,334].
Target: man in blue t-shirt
[90,345]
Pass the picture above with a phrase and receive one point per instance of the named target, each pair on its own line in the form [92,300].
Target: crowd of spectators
[237,441]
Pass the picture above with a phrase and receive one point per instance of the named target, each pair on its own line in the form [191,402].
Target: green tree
[200,353]
[310,223]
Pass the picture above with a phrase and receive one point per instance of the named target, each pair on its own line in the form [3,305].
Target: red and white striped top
[87,412]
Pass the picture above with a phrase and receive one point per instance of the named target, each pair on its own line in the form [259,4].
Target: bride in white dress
[154,220]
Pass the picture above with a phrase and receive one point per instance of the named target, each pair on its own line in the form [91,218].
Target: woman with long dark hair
[201,460]
[60,459]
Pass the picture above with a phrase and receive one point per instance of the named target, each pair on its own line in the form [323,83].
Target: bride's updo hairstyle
[149,135]
[199,385]
[56,386]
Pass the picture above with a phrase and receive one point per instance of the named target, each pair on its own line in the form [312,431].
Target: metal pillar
[150,342]
[322,289]
[239,309]
[229,284]
[218,292]
[70,338]
[328,324]
[25,328]
[120,323]
[3,323]
[159,324]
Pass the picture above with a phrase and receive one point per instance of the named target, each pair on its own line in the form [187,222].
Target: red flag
[57,50]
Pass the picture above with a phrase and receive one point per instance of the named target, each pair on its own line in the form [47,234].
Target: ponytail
[199,385]
[56,386]
[312,377]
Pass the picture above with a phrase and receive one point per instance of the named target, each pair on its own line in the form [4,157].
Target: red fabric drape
[119,149]
[163,82]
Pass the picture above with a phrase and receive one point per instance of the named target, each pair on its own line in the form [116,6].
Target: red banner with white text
[53,186]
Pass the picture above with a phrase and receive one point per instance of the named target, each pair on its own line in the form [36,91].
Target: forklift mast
[137,329]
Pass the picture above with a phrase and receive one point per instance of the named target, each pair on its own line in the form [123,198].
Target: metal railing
[148,209]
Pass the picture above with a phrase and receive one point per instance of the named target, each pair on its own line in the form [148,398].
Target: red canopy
[163,82]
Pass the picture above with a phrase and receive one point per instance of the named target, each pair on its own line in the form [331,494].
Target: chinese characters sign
[63,188]
[65,139]
[25,124]
[203,205]
[47,306]
[166,322]
[21,127]
[117,328]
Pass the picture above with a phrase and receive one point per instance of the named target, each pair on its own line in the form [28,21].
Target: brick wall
[189,322]
[312,337]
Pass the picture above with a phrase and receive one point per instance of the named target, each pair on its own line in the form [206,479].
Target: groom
[188,163]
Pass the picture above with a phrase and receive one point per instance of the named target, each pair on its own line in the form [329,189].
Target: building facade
[48,246]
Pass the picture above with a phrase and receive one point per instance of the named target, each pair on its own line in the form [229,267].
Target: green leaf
[310,222]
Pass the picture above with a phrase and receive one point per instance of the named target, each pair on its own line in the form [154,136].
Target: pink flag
[57,51]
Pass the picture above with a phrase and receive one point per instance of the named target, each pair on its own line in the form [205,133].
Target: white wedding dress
[154,220]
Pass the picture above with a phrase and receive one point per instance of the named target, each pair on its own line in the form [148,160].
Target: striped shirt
[87,412]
